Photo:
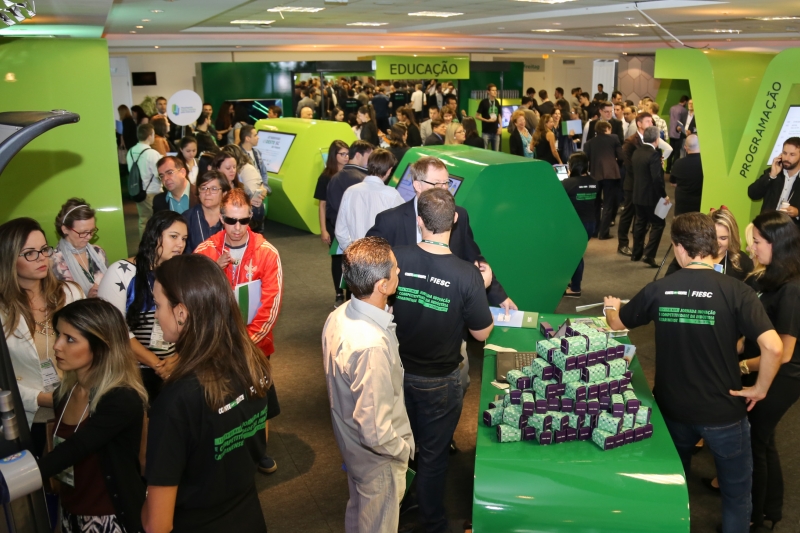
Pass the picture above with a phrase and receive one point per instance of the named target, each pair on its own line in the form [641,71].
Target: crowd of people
[159,384]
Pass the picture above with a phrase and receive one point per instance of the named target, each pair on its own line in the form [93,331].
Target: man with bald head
[687,175]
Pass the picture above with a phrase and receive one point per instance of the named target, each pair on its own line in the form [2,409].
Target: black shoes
[624,250]
[706,481]
[568,294]
[649,261]
[605,237]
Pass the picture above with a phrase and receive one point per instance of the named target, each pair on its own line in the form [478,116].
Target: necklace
[85,266]
[435,243]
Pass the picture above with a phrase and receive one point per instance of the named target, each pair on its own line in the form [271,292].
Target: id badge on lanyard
[49,375]
[157,337]
[66,476]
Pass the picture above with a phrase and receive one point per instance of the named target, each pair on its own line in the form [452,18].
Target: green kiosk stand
[294,151]
[520,215]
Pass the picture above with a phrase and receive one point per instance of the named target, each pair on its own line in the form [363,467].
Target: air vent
[568,62]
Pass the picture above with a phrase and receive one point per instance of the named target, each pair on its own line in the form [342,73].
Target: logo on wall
[176,109]
[184,107]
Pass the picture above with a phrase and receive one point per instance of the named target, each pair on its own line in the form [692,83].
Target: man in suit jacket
[605,156]
[180,195]
[642,121]
[606,110]
[600,95]
[648,190]
[779,184]
[425,128]
[687,175]
[438,131]
[677,124]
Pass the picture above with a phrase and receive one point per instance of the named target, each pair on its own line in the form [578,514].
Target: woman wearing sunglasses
[29,296]
[75,258]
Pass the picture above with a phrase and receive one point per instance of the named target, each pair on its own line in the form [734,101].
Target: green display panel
[521,217]
[740,101]
[574,486]
[472,110]
[73,160]
[292,200]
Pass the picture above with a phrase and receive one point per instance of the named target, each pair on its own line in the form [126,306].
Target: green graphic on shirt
[423,298]
[686,316]
[586,196]
[235,438]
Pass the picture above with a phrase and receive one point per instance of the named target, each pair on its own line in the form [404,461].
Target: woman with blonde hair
[100,407]
[521,139]
[30,295]
[76,258]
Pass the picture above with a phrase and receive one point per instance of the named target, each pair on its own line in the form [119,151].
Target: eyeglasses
[84,234]
[167,173]
[343,153]
[441,184]
[33,255]
[232,221]
[212,190]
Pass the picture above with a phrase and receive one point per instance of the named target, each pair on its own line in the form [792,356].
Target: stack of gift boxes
[577,388]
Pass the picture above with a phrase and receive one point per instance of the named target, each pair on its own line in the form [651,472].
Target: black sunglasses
[232,221]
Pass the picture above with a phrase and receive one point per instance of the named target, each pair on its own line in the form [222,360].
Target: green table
[574,486]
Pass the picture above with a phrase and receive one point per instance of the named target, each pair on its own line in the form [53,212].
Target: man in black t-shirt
[582,191]
[438,296]
[489,115]
[699,316]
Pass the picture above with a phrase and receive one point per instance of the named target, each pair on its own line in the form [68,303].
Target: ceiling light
[547,30]
[132,31]
[556,24]
[773,18]
[238,46]
[624,53]
[441,14]
[139,27]
[253,22]
[636,25]
[155,47]
[156,11]
[381,46]
[547,1]
[553,51]
[368,24]
[615,34]
[145,20]
[293,9]
[714,30]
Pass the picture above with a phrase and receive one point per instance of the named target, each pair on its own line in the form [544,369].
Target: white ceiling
[486,26]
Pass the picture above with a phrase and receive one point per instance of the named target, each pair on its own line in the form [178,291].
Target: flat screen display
[255,110]
[406,188]
[508,110]
[561,172]
[790,128]
[274,147]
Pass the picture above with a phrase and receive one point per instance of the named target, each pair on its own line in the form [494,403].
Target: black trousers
[645,214]
[336,272]
[611,190]
[767,475]
[676,145]
[625,219]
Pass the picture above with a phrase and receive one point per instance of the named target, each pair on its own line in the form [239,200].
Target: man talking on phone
[778,185]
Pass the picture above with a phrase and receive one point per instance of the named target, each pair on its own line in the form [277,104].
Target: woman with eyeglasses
[128,285]
[75,258]
[30,295]
[204,219]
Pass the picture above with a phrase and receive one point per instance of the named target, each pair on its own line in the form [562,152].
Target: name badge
[49,375]
[157,337]
[492,116]
[66,476]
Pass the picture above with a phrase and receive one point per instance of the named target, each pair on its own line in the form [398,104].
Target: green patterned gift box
[628,420]
[617,368]
[573,345]
[573,388]
[603,439]
[609,423]
[643,416]
[511,415]
[493,417]
[506,433]
[597,341]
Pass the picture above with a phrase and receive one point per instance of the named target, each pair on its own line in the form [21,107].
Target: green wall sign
[409,67]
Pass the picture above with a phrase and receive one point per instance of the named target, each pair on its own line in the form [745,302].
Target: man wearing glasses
[180,195]
[247,258]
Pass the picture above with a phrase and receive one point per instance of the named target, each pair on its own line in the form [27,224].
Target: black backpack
[136,190]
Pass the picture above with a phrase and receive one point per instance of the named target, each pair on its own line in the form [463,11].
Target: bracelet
[608,307]
[743,368]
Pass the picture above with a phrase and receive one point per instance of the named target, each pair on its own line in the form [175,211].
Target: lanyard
[65,408]
[700,263]
[436,243]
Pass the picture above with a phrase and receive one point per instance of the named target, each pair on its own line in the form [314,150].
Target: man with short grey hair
[687,175]
[365,389]
[648,191]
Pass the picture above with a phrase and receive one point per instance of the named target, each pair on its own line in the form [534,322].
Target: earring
[180,323]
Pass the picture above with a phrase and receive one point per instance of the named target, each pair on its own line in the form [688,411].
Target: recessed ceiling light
[139,27]
[294,9]
[636,25]
[547,1]
[773,18]
[441,14]
[548,30]
[145,20]
[615,34]
[368,24]
[556,24]
[502,49]
[381,46]
[628,18]
[156,11]
[155,47]
[132,31]
[443,48]
[716,30]
[624,53]
[253,22]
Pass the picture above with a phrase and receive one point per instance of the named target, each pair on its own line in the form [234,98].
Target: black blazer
[476,142]
[399,226]
[114,432]
[160,200]
[628,148]
[515,144]
[605,156]
[687,175]
[340,182]
[414,138]
[770,191]
[433,140]
[648,176]
[369,133]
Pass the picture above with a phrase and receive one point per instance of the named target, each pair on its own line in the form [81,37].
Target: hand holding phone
[777,167]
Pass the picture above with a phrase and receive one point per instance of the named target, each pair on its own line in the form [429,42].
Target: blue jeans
[730,444]
[434,407]
[577,277]
[491,141]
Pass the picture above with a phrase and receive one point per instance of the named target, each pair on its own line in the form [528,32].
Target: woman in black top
[206,431]
[406,116]
[204,219]
[776,244]
[545,141]
[128,127]
[730,260]
[99,407]
[398,135]
[369,129]
[473,138]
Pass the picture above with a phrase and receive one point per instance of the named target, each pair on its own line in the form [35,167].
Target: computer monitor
[507,111]
[790,128]
[256,109]
[561,171]
[406,188]
[273,147]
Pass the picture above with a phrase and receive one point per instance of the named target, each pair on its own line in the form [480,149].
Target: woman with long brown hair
[338,157]
[161,128]
[224,123]
[205,433]
[406,116]
[29,297]
[544,141]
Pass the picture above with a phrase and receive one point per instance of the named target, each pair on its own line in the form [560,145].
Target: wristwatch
[743,367]
[608,307]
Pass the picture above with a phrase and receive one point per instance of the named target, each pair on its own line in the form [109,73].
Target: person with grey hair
[687,175]
[365,389]
[648,191]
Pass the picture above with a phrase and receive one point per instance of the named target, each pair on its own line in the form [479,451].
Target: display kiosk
[294,152]
[520,215]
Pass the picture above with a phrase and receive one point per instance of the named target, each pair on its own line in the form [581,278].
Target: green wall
[740,100]
[72,160]
[478,80]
